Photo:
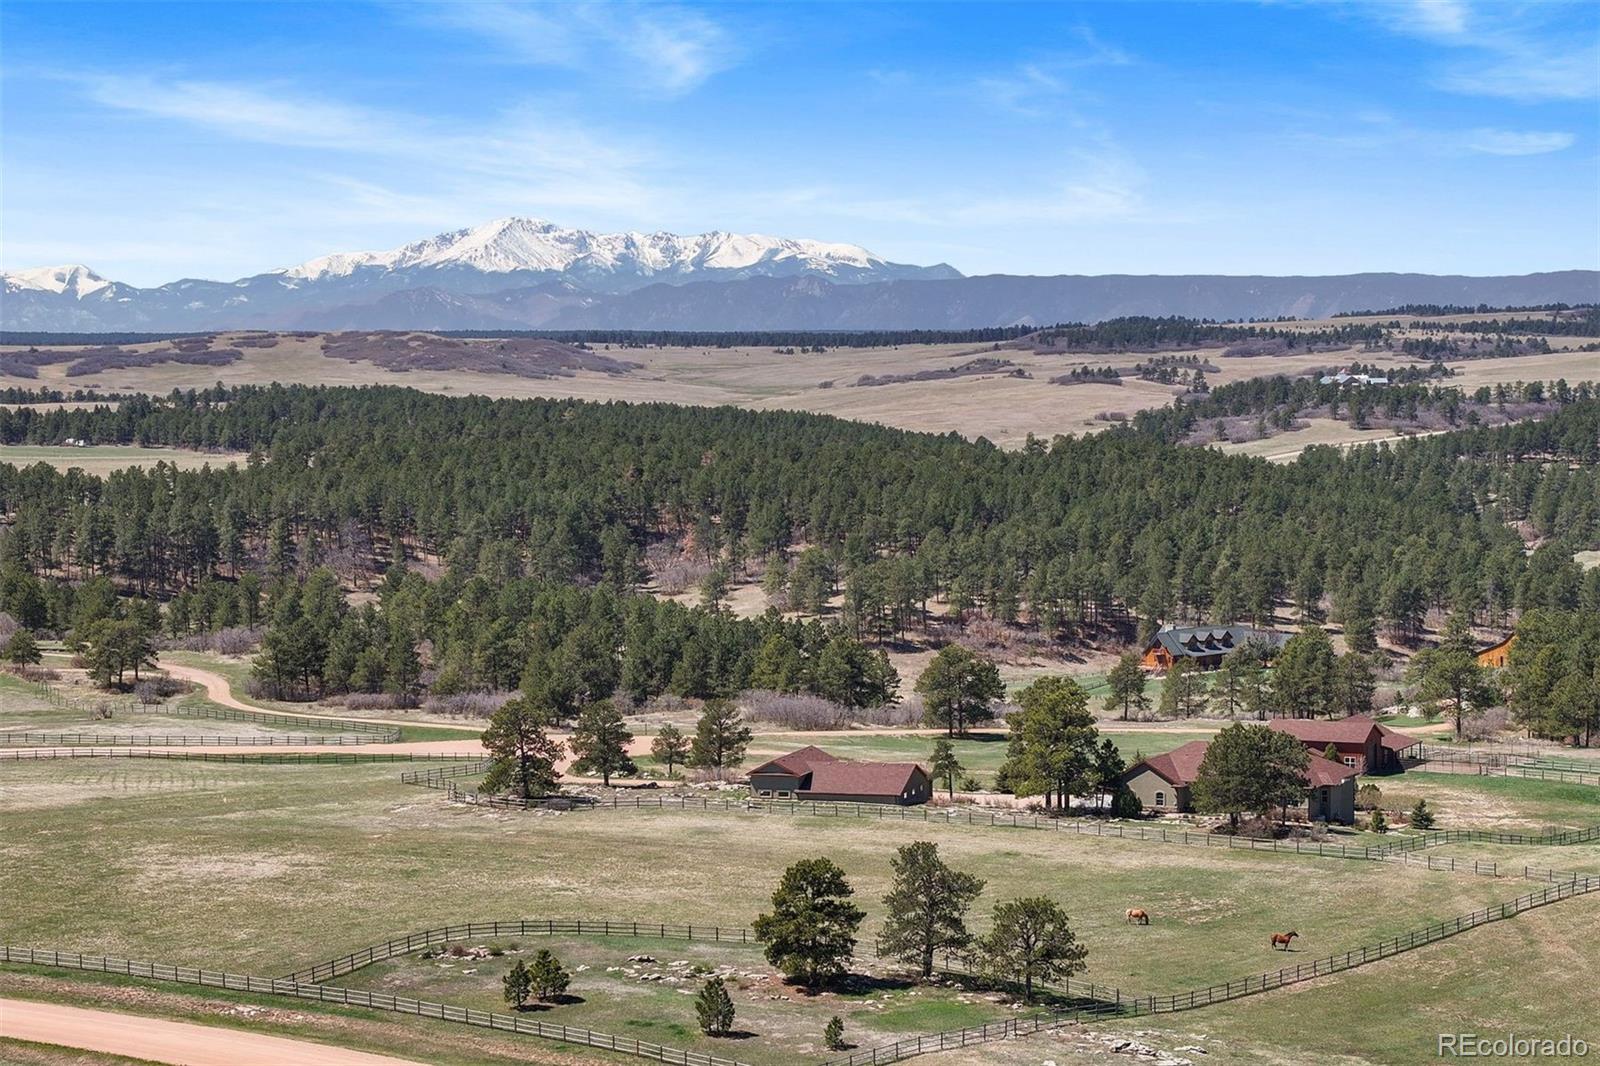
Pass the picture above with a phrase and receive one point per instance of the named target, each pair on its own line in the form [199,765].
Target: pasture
[265,869]
[103,459]
[1002,408]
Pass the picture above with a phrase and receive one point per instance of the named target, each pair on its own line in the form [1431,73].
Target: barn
[810,773]
[1363,745]
[1162,783]
[1205,645]
[1497,654]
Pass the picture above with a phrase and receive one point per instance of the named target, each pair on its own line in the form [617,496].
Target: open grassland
[266,869]
[1000,407]
[1512,804]
[103,459]
[1525,976]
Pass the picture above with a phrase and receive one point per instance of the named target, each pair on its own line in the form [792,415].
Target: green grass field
[981,753]
[102,459]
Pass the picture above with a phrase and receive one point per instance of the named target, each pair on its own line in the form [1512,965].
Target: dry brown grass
[1002,408]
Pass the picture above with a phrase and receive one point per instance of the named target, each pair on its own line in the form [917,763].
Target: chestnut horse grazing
[1283,939]
[1135,914]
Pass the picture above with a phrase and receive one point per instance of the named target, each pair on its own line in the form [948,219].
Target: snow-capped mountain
[518,270]
[75,281]
[524,273]
[535,246]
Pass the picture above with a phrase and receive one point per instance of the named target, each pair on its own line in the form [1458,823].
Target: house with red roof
[1362,744]
[812,774]
[1163,782]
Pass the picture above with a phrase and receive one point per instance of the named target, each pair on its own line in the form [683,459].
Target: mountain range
[524,273]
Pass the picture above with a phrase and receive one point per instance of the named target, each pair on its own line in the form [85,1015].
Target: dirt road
[160,1040]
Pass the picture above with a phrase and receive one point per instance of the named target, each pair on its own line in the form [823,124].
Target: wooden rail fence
[372,1000]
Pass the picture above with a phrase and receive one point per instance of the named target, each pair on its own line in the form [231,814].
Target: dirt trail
[160,1040]
[219,691]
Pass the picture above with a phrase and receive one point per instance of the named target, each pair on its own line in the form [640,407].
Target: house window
[1350,760]
[766,792]
[783,795]
[1161,799]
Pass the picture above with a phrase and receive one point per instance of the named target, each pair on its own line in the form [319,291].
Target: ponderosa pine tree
[958,689]
[810,931]
[927,906]
[600,740]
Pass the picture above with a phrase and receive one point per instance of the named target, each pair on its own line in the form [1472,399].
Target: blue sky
[159,140]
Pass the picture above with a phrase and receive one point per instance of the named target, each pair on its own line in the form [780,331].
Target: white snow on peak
[74,280]
[509,244]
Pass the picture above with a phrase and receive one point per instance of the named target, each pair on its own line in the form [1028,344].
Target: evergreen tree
[1184,693]
[833,1034]
[1356,684]
[22,649]
[1305,679]
[600,742]
[810,932]
[1030,940]
[670,747]
[1450,678]
[1250,769]
[547,977]
[518,985]
[1421,816]
[714,1008]
[944,764]
[1053,746]
[927,905]
[1127,684]
[525,756]
[720,738]
[958,688]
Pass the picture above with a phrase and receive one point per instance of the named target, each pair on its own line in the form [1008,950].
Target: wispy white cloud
[1379,131]
[1523,52]
[1042,85]
[659,48]
[1518,142]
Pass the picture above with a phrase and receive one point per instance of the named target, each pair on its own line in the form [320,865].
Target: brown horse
[1283,939]
[1136,914]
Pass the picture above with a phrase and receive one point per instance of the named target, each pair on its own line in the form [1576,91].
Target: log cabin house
[1205,645]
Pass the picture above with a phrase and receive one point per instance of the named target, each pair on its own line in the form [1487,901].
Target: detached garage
[812,774]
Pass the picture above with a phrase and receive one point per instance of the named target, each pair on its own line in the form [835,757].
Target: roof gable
[796,762]
[1357,729]
[1178,767]
[1202,641]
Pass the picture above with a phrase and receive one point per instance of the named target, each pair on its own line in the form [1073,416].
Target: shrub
[38,673]
[715,1008]
[234,640]
[1369,797]
[1378,823]
[380,701]
[158,689]
[908,712]
[833,1035]
[1124,804]
[793,710]
[467,704]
